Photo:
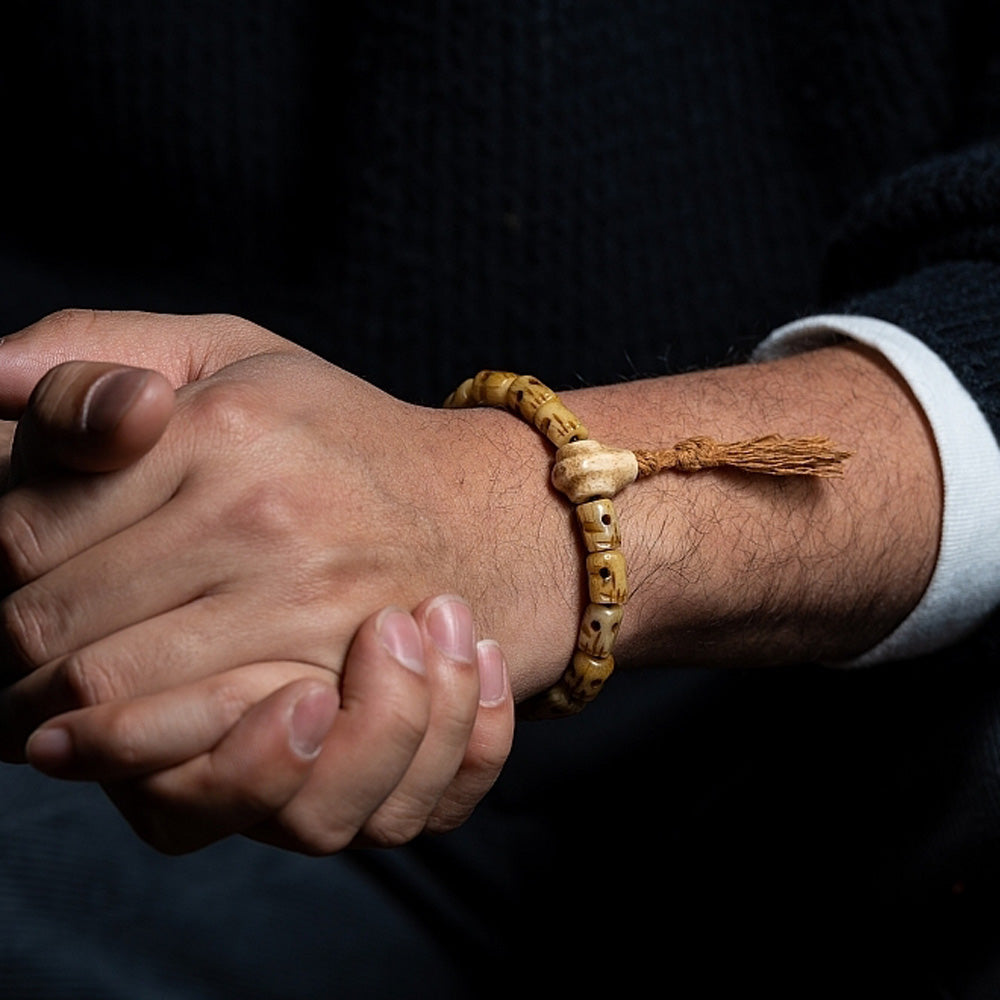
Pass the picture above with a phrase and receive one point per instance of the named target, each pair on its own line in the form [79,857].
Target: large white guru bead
[585,470]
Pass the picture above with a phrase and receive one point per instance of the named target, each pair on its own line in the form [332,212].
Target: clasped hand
[206,573]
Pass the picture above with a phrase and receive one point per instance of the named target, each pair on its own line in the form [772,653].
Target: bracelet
[589,475]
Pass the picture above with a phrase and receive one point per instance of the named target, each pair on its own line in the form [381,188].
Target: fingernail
[449,623]
[492,673]
[49,747]
[312,718]
[110,397]
[398,632]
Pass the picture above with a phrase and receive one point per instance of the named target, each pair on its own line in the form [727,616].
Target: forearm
[727,568]
[380,502]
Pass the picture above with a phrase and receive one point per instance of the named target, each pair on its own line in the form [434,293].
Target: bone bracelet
[590,474]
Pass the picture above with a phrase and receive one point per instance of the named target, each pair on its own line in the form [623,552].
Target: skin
[284,504]
[406,734]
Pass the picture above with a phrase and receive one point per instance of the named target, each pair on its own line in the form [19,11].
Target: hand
[144,747]
[282,506]
[411,740]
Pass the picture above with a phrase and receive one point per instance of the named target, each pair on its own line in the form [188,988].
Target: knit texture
[586,191]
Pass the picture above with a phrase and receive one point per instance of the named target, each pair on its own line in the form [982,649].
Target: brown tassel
[771,454]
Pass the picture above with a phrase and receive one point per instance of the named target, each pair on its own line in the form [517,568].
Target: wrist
[514,551]
[723,567]
[730,568]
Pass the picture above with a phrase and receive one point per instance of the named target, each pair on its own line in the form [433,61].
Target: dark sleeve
[923,251]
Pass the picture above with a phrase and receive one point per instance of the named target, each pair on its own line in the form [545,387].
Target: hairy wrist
[724,567]
[734,568]
[512,541]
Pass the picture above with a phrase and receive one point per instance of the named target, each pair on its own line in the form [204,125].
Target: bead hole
[605,518]
[604,572]
[595,625]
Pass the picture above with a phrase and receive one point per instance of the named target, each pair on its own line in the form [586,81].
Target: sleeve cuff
[965,586]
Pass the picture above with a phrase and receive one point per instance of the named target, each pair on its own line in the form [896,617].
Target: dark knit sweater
[586,191]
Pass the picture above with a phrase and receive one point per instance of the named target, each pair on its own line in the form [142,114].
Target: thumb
[90,417]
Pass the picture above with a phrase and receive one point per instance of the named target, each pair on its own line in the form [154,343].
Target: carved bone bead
[606,577]
[526,394]
[585,470]
[558,423]
[461,397]
[586,675]
[599,629]
[552,703]
[599,525]
[489,388]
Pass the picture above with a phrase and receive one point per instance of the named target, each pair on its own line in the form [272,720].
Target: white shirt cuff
[965,586]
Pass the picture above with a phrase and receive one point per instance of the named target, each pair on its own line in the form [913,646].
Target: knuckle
[230,699]
[230,329]
[228,325]
[456,805]
[485,759]
[71,322]
[86,681]
[123,741]
[458,705]
[226,412]
[393,826]
[305,829]
[405,725]
[449,818]
[25,629]
[268,511]
[21,552]
[318,841]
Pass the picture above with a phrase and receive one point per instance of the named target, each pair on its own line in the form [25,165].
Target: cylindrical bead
[558,423]
[461,397]
[606,577]
[585,675]
[552,703]
[599,629]
[489,388]
[585,470]
[599,525]
[526,394]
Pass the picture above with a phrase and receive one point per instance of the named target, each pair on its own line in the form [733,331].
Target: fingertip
[49,749]
[311,719]
[126,412]
[400,636]
[448,620]
[110,397]
[494,686]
